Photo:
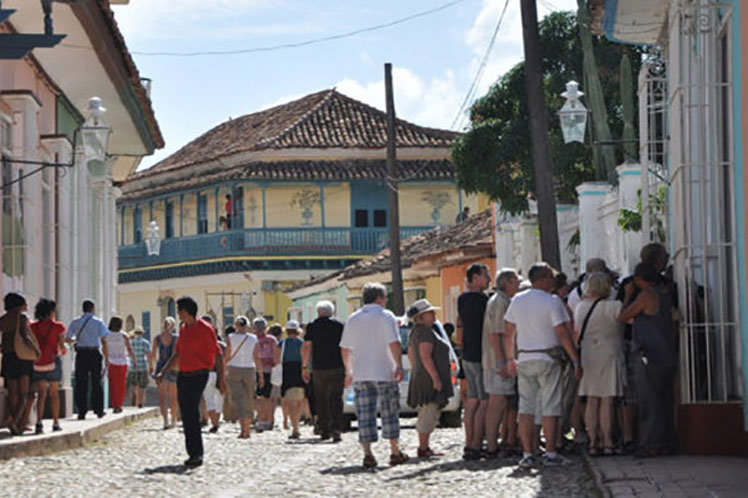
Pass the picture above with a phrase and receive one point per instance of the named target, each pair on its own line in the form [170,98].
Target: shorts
[170,376]
[266,390]
[372,397]
[137,378]
[474,377]
[428,417]
[497,385]
[54,375]
[15,368]
[294,393]
[213,397]
[540,389]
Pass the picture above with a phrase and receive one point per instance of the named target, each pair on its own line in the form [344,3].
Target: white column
[529,244]
[568,224]
[591,231]
[629,181]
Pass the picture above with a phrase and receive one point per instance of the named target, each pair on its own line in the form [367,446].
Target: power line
[304,43]
[481,68]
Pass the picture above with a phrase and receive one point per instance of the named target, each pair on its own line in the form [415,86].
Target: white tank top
[244,356]
[115,342]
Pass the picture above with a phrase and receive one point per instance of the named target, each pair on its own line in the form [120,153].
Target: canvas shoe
[527,462]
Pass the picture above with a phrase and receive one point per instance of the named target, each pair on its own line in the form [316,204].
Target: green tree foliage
[494,155]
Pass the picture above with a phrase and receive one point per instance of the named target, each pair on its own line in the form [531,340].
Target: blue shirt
[87,331]
[291,349]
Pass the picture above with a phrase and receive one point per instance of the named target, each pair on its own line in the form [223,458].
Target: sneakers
[555,461]
[39,428]
[527,462]
[56,427]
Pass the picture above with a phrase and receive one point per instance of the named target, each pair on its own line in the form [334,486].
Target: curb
[55,442]
[597,476]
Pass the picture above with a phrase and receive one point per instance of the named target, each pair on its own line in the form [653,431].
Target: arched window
[129,323]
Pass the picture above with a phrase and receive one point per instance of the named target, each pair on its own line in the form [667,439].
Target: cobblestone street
[145,460]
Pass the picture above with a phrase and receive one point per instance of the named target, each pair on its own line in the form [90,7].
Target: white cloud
[508,49]
[425,103]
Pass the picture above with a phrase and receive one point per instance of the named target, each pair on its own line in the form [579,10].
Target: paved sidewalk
[678,476]
[74,434]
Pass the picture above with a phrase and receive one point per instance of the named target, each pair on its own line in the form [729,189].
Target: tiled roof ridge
[405,127]
[158,168]
[303,118]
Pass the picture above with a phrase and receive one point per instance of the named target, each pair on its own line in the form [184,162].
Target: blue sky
[435,57]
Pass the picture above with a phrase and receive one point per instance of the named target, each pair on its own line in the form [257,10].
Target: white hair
[325,308]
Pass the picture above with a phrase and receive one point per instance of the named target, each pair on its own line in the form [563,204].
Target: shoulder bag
[276,374]
[236,351]
[586,321]
[26,348]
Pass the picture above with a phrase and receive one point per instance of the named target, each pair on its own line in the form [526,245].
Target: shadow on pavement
[451,466]
[167,469]
[350,470]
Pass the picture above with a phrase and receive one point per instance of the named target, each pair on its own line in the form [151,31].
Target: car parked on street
[451,415]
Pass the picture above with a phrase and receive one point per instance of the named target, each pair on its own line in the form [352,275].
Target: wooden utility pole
[398,306]
[541,151]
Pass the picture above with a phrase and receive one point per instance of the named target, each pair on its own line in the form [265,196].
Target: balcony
[342,241]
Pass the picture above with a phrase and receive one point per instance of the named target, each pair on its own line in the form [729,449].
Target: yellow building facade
[242,215]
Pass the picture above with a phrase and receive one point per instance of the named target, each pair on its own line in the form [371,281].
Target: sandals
[428,453]
[398,458]
[593,451]
[369,461]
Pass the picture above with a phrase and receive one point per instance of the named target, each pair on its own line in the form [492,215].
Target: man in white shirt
[540,323]
[372,356]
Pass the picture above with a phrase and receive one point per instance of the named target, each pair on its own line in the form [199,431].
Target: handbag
[276,374]
[26,348]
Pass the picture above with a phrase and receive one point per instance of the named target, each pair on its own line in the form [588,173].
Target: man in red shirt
[196,353]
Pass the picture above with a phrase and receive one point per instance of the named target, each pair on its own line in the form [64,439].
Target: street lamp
[94,134]
[573,114]
[153,239]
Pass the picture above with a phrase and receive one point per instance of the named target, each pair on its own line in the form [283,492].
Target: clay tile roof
[471,233]
[133,75]
[326,119]
[344,170]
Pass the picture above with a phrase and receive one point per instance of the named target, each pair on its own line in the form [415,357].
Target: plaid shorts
[388,395]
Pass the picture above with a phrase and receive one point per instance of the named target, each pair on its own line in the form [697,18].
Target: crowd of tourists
[594,361]
[590,362]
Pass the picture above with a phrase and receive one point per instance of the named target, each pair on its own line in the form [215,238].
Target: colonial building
[272,198]
[693,125]
[58,193]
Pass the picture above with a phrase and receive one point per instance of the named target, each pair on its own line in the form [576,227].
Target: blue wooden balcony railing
[265,242]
